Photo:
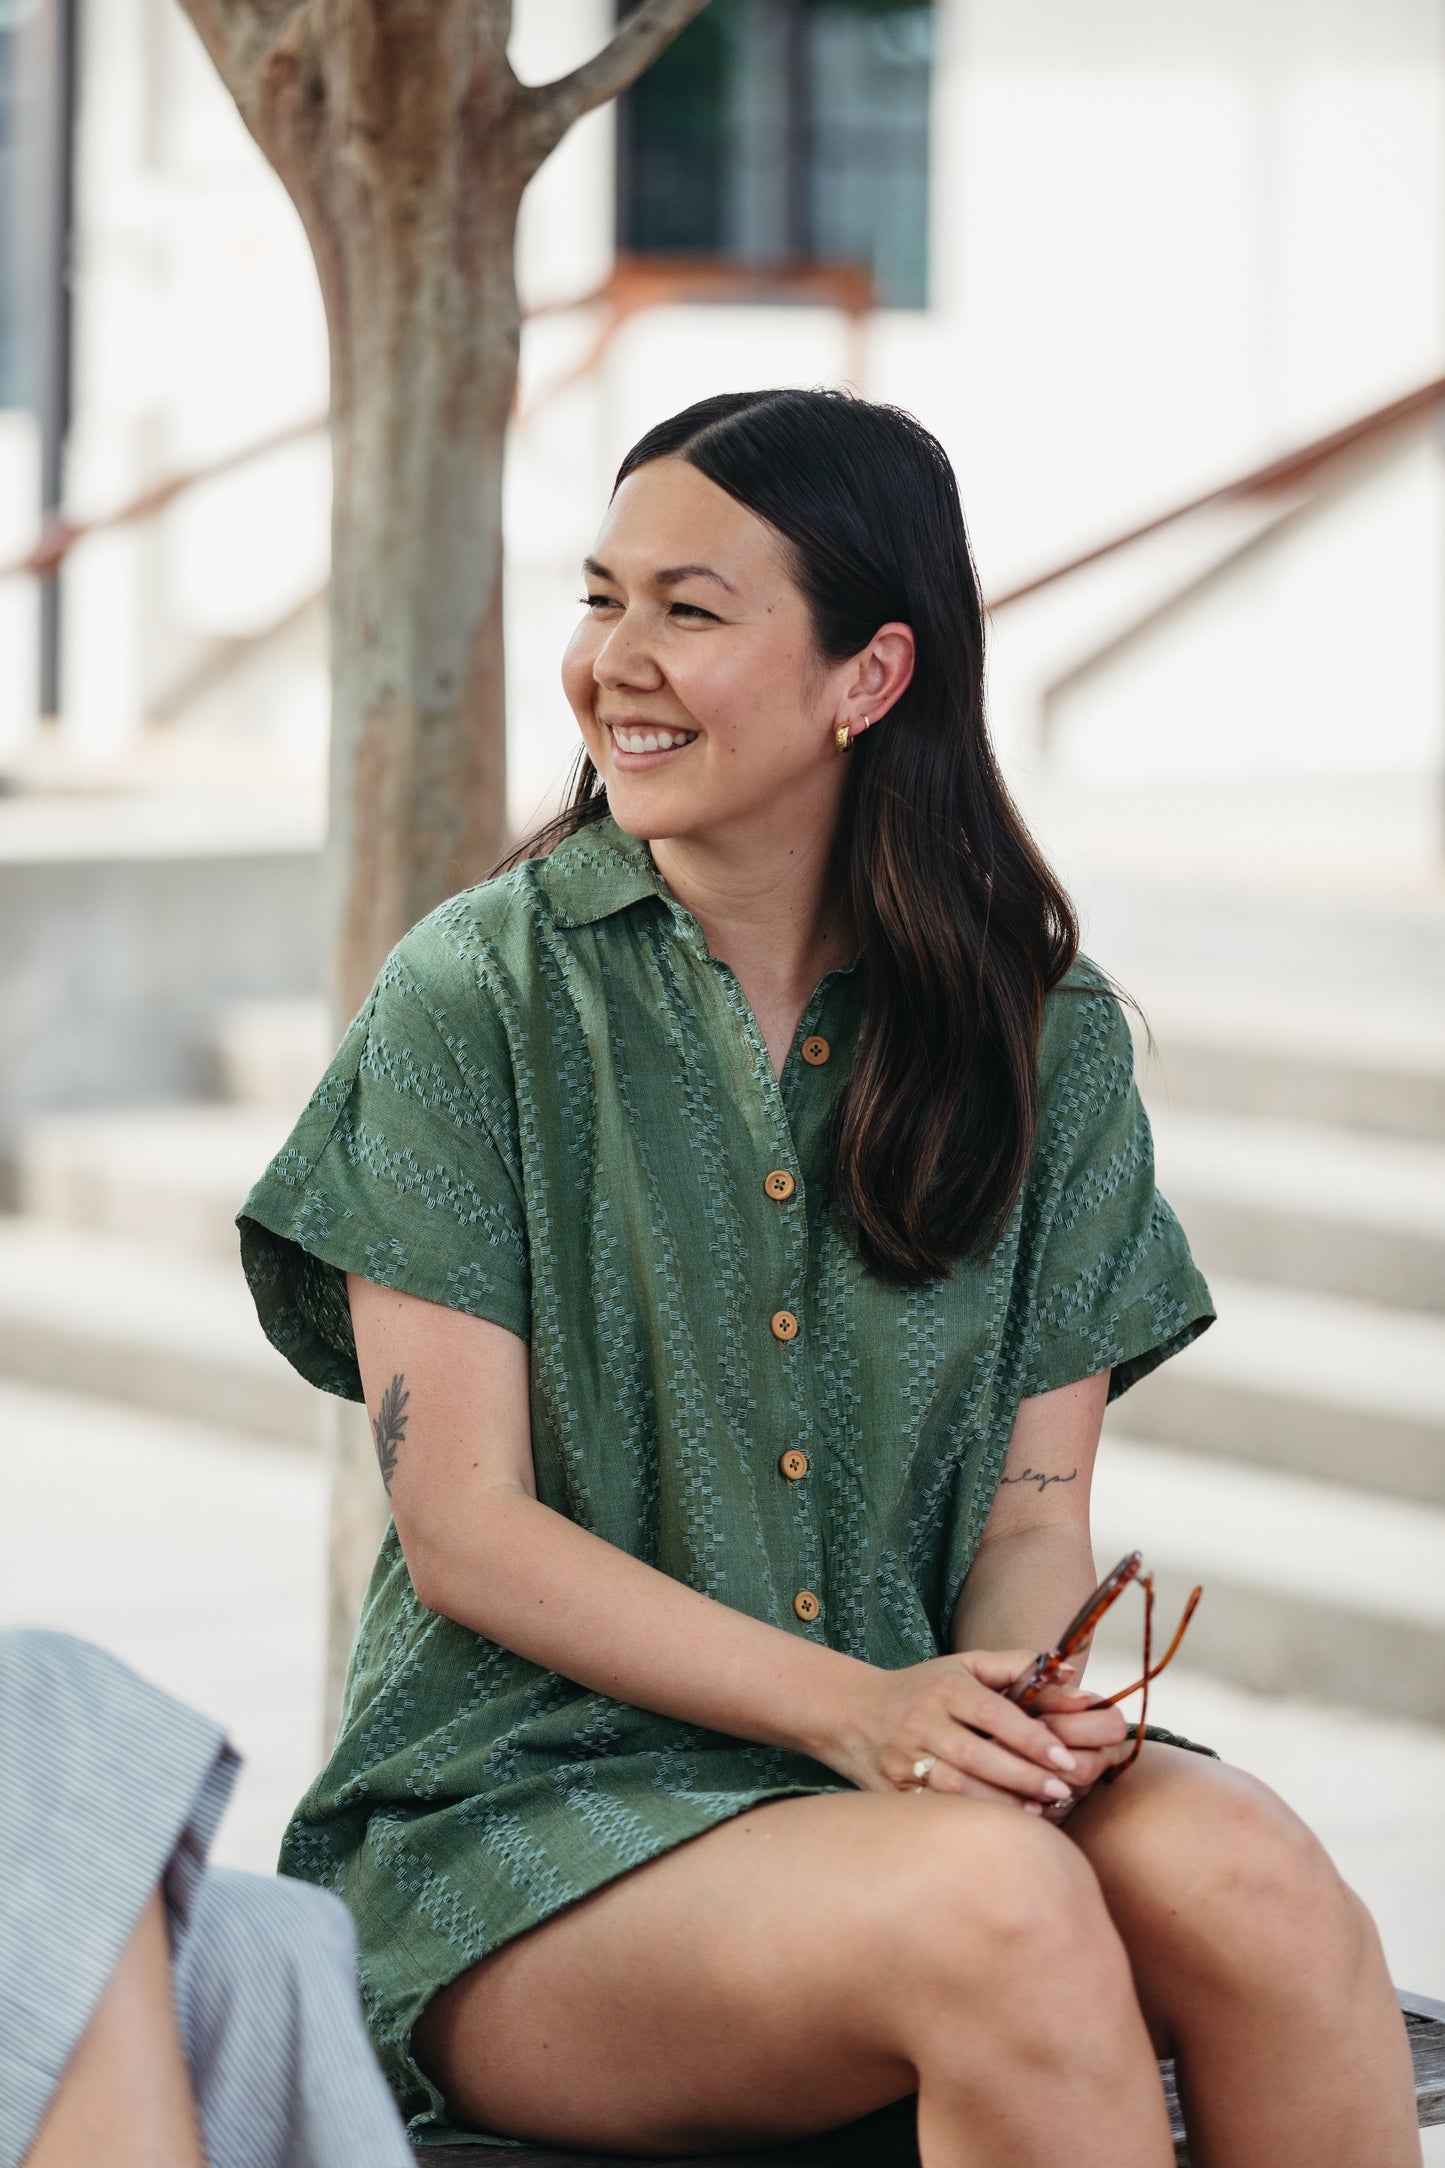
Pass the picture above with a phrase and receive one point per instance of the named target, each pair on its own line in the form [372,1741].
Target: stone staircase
[1293,1460]
[119,1273]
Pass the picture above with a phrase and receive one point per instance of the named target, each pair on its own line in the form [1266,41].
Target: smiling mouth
[635,743]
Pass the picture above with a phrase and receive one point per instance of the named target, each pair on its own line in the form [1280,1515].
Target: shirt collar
[597,870]
[600,869]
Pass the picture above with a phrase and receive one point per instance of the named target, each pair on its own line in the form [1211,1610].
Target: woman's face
[693,675]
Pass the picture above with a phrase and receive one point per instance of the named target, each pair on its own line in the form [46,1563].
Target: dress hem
[429,2125]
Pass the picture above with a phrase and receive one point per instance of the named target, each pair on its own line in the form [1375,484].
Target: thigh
[738,1989]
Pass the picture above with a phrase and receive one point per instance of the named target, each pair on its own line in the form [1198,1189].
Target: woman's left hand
[1097,1735]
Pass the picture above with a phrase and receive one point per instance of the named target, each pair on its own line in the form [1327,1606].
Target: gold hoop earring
[842,736]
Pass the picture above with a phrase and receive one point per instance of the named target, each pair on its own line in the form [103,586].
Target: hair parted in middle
[963,927]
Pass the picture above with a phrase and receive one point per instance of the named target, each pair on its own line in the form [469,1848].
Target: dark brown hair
[964,929]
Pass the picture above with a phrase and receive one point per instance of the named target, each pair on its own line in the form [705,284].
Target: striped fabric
[108,1786]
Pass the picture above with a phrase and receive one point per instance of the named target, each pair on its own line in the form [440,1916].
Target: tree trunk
[405,141]
[422,310]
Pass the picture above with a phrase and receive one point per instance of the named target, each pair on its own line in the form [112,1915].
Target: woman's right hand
[953,1708]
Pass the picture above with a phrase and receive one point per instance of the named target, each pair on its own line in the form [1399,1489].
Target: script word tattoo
[388,1426]
[1036,1475]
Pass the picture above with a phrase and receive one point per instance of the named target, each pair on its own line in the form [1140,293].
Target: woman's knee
[1228,1874]
[998,1909]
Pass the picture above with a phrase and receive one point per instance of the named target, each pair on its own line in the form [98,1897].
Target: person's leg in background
[185,2013]
[270,2019]
[125,2095]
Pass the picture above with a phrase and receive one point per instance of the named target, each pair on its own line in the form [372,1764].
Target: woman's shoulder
[496,918]
[1085,1041]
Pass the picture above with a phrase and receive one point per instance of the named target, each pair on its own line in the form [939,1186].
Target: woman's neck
[778,918]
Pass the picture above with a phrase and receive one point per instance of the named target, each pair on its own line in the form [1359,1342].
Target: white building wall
[1167,244]
[199,330]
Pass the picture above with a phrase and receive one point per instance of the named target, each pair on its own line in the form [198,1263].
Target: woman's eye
[684,609]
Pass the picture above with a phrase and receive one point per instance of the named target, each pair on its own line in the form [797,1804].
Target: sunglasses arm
[1153,1671]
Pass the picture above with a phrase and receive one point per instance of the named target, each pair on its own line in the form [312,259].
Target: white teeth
[652,741]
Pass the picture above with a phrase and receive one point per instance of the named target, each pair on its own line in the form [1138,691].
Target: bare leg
[804,1964]
[125,2096]
[1256,1965]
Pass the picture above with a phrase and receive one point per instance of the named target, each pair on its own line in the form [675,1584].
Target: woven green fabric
[556,1110]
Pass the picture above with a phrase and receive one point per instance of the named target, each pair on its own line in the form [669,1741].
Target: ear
[883,670]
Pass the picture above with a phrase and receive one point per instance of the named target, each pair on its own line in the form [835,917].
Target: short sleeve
[1108,1276]
[405,1168]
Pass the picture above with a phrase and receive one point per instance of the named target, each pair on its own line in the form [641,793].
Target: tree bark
[405,141]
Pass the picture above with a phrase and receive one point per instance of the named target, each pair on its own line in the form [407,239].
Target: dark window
[777,131]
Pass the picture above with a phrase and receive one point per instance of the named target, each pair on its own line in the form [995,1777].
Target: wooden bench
[886,2140]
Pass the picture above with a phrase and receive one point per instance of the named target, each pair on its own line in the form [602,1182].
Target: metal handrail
[637,283]
[1275,477]
[59,533]
[634,283]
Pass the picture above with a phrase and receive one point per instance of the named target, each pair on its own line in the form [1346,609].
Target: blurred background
[1169,283]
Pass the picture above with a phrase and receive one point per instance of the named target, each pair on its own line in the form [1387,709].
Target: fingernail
[1033,1806]
[1062,1758]
[1056,1789]
[1070,1668]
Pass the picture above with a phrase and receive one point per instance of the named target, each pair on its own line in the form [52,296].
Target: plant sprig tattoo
[388,1427]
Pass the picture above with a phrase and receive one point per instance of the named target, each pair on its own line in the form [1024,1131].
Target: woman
[738,1218]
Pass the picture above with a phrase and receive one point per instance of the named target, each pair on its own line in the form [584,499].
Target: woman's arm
[1035,1563]
[450,1406]
[456,1455]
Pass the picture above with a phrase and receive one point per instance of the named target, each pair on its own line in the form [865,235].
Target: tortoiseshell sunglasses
[1045,1669]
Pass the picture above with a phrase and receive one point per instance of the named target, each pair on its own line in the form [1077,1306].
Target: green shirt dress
[556,1110]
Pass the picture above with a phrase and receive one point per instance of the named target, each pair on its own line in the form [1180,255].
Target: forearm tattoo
[1035,1475]
[388,1427]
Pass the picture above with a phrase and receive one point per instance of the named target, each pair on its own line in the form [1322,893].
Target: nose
[625,658]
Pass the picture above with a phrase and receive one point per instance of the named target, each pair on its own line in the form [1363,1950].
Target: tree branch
[547,110]
[238,34]
[211,20]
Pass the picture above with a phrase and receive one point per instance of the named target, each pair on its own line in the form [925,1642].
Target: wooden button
[794,1465]
[784,1324]
[806,1604]
[780,1184]
[816,1051]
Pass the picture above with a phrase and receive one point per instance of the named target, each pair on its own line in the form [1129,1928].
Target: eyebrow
[668,578]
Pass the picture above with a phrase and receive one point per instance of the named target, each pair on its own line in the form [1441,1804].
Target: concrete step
[94,1312]
[1297,1063]
[171,1175]
[1298,934]
[129,917]
[1309,1589]
[1303,1206]
[1346,1392]
[271,1053]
